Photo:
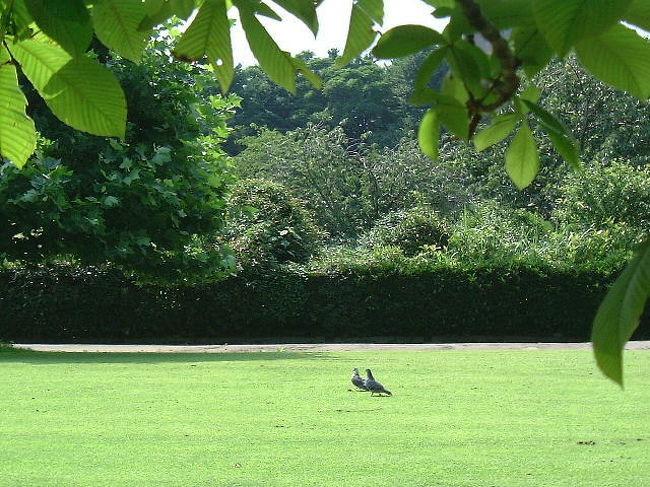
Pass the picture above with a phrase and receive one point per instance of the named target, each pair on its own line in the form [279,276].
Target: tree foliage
[137,203]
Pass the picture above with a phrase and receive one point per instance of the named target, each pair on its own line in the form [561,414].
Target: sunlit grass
[457,419]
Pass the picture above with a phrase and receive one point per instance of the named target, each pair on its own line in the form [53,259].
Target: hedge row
[66,304]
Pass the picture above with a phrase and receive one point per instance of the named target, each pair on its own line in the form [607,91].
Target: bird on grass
[373,386]
[357,380]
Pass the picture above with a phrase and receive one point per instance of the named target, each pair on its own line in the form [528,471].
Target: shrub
[386,298]
[602,195]
[267,226]
[489,232]
[409,230]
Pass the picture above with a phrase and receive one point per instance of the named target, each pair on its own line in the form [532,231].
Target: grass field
[457,419]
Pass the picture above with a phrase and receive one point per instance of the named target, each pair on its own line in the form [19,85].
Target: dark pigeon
[375,387]
[357,380]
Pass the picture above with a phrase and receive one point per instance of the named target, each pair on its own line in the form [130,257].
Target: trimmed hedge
[65,304]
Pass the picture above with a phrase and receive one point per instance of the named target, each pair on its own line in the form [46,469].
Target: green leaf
[441,3]
[158,11]
[531,49]
[404,40]
[453,115]
[300,66]
[79,91]
[530,94]
[522,159]
[619,314]
[560,136]
[303,10]
[65,21]
[500,128]
[619,57]
[263,9]
[507,13]
[209,35]
[21,19]
[374,9]
[17,132]
[471,65]
[567,147]
[117,25]
[426,71]
[429,133]
[275,62]
[365,13]
[638,14]
[565,22]
[453,86]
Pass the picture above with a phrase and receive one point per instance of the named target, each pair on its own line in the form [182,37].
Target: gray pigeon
[357,380]
[375,387]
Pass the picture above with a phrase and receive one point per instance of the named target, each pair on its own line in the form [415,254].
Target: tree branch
[509,63]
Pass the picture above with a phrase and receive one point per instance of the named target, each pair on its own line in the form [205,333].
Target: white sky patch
[334,16]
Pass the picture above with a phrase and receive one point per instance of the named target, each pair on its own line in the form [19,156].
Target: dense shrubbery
[267,226]
[410,230]
[603,195]
[388,296]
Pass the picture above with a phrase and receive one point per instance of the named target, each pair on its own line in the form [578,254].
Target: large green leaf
[619,314]
[404,40]
[117,24]
[619,57]
[522,158]
[365,13]
[65,21]
[565,22]
[17,132]
[275,62]
[264,10]
[209,35]
[507,13]
[301,67]
[453,115]
[21,19]
[79,91]
[304,10]
[531,49]
[429,133]
[500,128]
[425,72]
[471,65]
[638,13]
[560,136]
[158,11]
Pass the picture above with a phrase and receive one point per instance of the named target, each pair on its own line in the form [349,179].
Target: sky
[334,16]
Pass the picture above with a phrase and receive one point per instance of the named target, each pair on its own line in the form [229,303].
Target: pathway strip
[306,347]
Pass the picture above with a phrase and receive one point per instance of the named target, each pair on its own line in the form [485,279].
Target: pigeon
[357,380]
[373,386]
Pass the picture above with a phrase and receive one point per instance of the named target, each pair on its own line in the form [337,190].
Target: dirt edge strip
[325,347]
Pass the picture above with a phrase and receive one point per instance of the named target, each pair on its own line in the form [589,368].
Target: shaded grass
[457,419]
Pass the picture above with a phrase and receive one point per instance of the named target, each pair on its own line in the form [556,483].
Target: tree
[486,44]
[360,97]
[137,203]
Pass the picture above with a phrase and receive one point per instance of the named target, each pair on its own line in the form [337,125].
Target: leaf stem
[507,60]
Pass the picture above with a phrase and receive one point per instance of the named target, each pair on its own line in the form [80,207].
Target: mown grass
[457,419]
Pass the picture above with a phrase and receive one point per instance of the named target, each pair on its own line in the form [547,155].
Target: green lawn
[457,419]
